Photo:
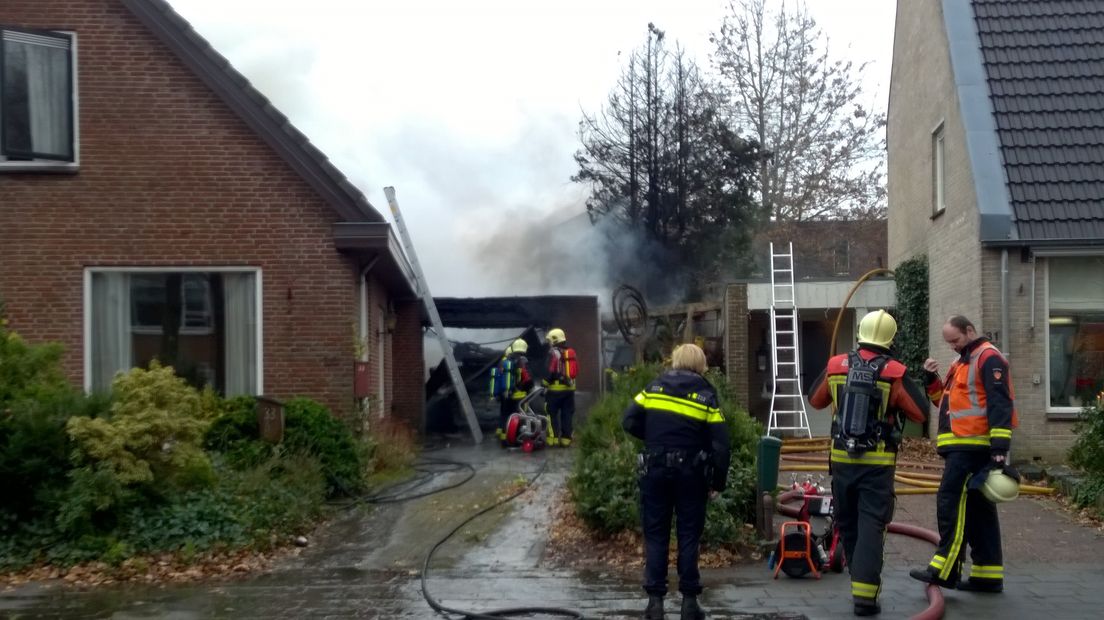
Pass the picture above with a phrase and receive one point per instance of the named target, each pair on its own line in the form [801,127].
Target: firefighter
[869,391]
[976,418]
[510,382]
[559,395]
[684,463]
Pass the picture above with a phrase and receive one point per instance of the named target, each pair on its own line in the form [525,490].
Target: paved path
[367,563]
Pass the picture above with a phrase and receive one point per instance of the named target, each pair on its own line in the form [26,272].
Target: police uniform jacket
[678,412]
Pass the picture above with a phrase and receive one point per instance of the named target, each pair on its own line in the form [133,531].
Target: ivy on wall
[911,343]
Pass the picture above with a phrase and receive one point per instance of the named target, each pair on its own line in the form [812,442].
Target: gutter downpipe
[1006,336]
[363,335]
[364,304]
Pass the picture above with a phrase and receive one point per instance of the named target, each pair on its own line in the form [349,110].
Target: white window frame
[939,171]
[43,165]
[1057,412]
[87,308]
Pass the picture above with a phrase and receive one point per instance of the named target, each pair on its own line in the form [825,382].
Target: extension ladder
[787,409]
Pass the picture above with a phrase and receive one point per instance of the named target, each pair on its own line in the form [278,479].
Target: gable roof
[1043,62]
[255,109]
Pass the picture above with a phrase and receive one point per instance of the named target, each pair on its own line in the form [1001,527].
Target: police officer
[685,462]
[976,418]
[864,459]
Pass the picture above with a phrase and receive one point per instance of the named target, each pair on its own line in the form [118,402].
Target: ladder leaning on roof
[787,401]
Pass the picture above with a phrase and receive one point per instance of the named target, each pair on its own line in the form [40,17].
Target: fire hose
[935,595]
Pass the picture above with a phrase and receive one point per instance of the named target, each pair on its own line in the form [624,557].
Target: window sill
[1063,415]
[49,168]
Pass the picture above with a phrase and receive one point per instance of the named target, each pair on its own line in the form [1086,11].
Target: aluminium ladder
[787,410]
[435,320]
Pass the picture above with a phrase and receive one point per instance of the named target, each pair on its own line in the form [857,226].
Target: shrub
[1087,451]
[603,484]
[27,371]
[309,429]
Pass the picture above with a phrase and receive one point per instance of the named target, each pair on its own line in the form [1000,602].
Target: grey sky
[469,108]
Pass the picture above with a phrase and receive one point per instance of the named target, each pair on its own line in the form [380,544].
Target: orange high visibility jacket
[976,410]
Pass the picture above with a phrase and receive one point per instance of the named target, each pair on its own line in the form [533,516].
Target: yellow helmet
[519,346]
[1000,487]
[877,328]
[556,336]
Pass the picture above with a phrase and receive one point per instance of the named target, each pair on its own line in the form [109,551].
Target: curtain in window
[36,93]
[240,311]
[111,337]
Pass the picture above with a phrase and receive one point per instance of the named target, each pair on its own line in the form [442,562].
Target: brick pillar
[737,356]
[408,366]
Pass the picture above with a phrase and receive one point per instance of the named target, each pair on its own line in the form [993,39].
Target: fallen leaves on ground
[920,450]
[571,544]
[160,568]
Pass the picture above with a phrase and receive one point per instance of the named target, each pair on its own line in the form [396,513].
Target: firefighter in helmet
[976,418]
[559,384]
[870,392]
[685,463]
[510,382]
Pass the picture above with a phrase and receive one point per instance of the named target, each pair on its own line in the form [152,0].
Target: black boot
[866,607]
[690,608]
[990,586]
[654,610]
[925,575]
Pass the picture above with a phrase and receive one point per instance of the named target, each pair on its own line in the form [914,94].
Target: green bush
[309,428]
[1087,451]
[27,371]
[603,484]
[911,313]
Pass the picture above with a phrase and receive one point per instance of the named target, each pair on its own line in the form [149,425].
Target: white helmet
[1000,487]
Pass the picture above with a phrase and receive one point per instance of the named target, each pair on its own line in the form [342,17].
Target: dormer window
[36,97]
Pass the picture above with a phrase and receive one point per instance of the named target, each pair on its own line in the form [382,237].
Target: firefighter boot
[690,608]
[981,585]
[654,610]
[927,576]
[867,607]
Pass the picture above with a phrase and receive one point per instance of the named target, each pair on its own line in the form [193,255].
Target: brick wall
[737,356]
[170,176]
[1026,349]
[408,402]
[923,97]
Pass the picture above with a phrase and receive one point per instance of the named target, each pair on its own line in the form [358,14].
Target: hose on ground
[493,614]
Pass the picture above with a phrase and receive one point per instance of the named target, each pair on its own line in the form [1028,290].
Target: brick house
[829,257]
[996,173]
[154,204]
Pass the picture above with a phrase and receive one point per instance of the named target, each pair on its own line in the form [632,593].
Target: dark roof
[1044,63]
[255,109]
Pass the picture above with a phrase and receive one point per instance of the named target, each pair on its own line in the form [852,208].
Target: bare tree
[827,149]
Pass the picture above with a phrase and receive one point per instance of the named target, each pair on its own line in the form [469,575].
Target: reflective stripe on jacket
[678,411]
[976,401]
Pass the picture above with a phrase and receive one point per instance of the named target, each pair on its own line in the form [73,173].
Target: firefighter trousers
[682,491]
[863,505]
[966,518]
[560,407]
[506,408]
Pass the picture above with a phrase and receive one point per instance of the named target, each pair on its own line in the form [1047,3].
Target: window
[938,195]
[36,97]
[203,324]
[1075,332]
[842,258]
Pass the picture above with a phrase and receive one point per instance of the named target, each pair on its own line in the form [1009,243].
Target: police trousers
[680,490]
[966,518]
[863,504]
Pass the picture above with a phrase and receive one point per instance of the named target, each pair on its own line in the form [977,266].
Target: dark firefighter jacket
[678,411]
[900,395]
[975,401]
